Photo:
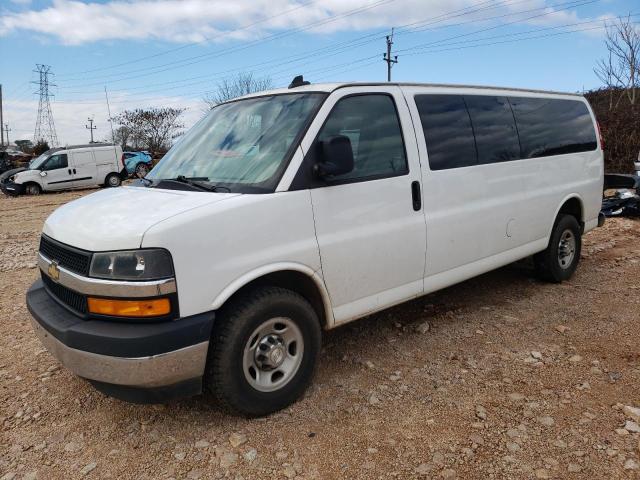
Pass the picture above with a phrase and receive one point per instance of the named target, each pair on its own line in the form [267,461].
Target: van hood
[26,174]
[116,219]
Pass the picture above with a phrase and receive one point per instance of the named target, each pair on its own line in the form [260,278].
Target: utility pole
[387,56]
[7,129]
[1,120]
[90,127]
[45,129]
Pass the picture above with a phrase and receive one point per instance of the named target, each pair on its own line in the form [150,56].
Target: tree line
[617,103]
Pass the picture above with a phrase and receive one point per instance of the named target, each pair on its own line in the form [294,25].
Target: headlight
[144,264]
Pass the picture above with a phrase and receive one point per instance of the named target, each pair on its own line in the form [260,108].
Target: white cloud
[74,22]
[71,117]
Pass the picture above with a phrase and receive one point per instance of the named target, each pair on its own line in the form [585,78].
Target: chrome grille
[70,298]
[71,258]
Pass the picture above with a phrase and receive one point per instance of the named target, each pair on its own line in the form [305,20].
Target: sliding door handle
[415,195]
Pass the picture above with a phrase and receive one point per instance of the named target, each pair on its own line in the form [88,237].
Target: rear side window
[371,123]
[553,126]
[447,130]
[494,128]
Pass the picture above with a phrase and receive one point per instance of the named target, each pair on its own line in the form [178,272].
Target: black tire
[113,180]
[553,264]
[32,189]
[225,375]
[141,170]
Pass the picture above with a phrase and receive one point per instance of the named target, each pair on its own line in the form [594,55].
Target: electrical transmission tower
[45,129]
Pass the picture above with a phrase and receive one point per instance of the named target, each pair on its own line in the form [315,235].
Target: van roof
[330,87]
[87,145]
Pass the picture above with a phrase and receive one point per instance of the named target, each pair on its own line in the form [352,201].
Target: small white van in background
[287,212]
[78,166]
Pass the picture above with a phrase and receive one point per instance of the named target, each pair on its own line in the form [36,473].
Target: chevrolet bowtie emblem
[54,271]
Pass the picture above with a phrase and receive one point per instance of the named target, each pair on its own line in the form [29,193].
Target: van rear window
[553,127]
[465,130]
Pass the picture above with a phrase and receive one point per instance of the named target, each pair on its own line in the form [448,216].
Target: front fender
[264,270]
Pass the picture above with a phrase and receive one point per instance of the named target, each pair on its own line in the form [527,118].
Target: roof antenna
[298,81]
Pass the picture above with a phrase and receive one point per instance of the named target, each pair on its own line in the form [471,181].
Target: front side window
[371,123]
[56,161]
[241,145]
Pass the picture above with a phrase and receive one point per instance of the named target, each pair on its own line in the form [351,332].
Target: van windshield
[37,162]
[242,146]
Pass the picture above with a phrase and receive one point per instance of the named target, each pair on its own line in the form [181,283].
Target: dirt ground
[513,379]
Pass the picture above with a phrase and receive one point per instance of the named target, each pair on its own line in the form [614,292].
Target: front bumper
[141,362]
[10,188]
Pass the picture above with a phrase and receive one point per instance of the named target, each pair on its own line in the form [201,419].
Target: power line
[345,46]
[191,44]
[200,58]
[342,46]
[567,6]
[515,34]
[319,52]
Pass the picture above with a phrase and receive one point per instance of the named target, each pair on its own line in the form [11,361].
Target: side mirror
[43,174]
[336,157]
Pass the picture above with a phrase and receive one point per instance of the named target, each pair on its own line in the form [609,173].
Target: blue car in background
[137,163]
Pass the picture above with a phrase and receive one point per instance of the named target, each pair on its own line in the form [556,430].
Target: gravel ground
[500,377]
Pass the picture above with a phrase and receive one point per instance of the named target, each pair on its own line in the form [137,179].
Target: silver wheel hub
[273,354]
[566,249]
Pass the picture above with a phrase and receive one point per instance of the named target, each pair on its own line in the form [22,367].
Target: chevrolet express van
[289,212]
[77,166]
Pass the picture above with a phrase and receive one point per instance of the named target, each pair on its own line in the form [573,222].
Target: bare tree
[620,72]
[153,128]
[241,84]
[122,136]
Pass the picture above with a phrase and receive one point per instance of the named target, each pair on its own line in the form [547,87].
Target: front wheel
[560,260]
[32,189]
[263,351]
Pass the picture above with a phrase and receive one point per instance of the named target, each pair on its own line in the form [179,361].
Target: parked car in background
[289,212]
[137,163]
[5,162]
[77,166]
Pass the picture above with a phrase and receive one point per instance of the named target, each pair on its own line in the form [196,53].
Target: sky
[156,53]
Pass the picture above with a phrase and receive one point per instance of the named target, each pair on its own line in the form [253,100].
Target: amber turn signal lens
[129,308]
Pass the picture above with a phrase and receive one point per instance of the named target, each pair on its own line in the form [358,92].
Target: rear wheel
[112,180]
[558,262]
[141,170]
[32,189]
[263,351]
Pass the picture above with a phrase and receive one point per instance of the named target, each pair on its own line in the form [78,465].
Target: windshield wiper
[200,183]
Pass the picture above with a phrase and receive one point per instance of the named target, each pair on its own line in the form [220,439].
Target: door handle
[415,195]
[69,171]
[74,171]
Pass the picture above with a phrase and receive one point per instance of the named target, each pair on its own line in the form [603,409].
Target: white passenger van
[77,166]
[289,212]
